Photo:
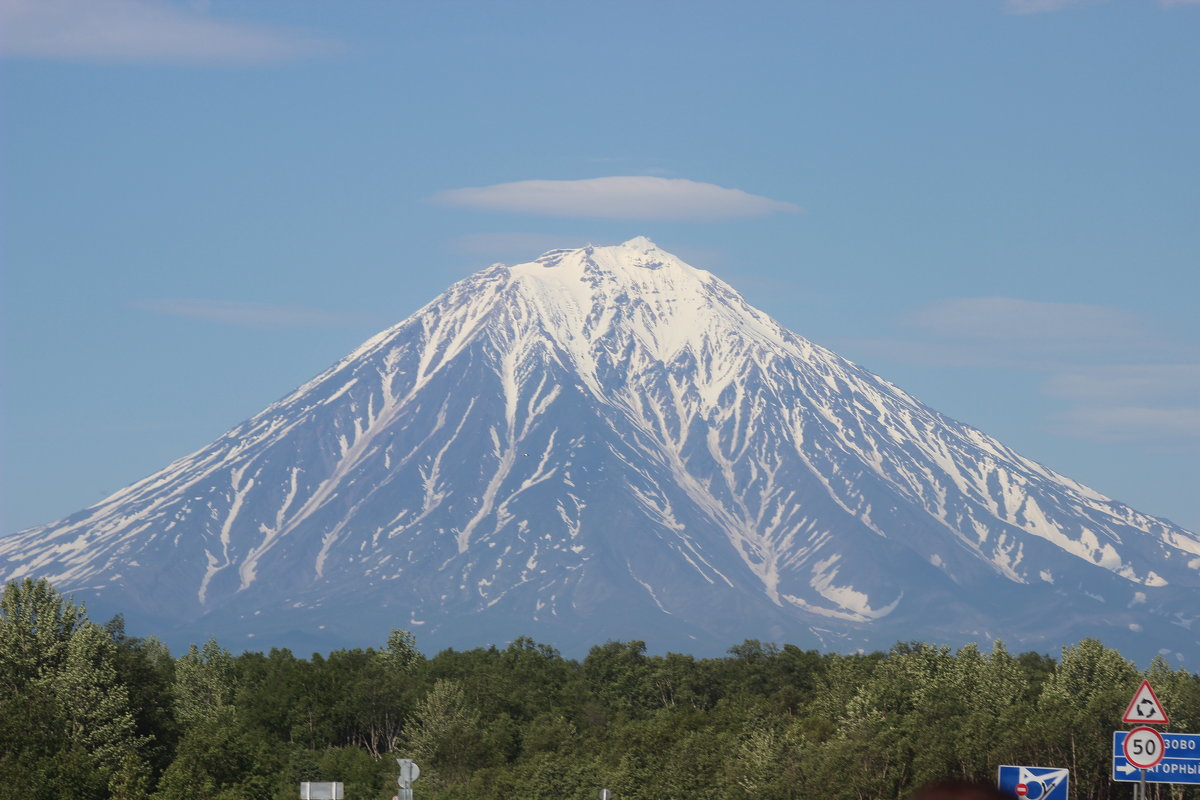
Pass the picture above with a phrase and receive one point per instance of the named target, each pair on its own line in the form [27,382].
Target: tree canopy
[89,712]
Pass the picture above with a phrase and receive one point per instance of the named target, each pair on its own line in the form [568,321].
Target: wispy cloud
[248,315]
[1014,333]
[1157,403]
[1040,6]
[1128,383]
[629,197]
[141,30]
[1047,6]
[1117,378]
[1173,427]
[1029,331]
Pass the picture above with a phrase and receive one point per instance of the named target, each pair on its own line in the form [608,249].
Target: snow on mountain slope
[609,443]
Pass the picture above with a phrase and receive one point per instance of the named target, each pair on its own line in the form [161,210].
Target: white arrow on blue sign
[1034,783]
[1180,763]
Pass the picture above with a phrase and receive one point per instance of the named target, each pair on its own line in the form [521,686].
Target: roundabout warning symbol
[1145,708]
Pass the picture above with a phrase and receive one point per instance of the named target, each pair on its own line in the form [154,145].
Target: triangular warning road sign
[1144,707]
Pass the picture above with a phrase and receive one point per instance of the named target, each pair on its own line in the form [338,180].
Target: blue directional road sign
[1180,763]
[1034,783]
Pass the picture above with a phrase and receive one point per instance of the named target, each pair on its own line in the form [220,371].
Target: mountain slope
[607,442]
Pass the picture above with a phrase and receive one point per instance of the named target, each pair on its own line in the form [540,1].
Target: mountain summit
[609,443]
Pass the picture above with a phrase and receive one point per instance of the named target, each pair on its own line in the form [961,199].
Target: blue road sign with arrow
[1034,783]
[1180,763]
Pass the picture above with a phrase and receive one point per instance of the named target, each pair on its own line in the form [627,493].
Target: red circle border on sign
[1162,746]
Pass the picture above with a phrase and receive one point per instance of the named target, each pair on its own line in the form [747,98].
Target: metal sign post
[1142,748]
[409,772]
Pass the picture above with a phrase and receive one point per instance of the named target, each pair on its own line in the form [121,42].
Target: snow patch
[847,598]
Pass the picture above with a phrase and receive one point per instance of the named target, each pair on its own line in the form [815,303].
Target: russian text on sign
[1180,763]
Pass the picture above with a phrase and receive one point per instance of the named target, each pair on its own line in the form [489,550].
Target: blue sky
[995,205]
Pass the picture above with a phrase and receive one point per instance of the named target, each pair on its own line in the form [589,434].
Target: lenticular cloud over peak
[621,197]
[608,443]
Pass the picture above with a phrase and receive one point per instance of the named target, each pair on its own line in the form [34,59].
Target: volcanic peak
[667,304]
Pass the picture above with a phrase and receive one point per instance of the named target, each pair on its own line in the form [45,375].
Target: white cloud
[630,197]
[139,30]
[250,315]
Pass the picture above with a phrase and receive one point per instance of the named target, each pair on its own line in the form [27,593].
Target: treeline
[89,712]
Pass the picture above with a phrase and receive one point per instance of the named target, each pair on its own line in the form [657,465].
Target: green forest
[87,711]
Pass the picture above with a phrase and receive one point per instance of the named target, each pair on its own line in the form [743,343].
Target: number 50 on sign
[1143,747]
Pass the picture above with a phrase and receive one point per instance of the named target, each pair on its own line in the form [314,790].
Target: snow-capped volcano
[609,443]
